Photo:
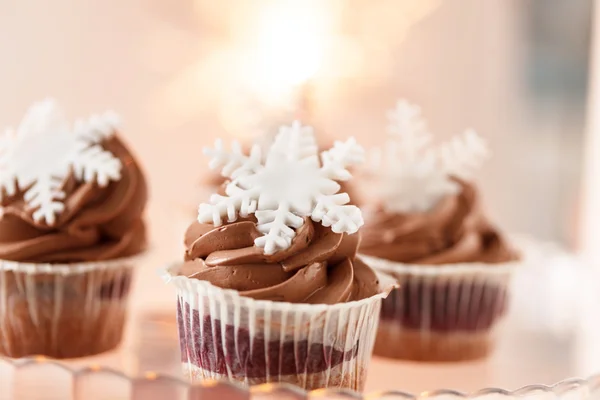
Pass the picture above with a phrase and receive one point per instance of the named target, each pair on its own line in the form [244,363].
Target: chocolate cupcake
[71,227]
[270,289]
[427,230]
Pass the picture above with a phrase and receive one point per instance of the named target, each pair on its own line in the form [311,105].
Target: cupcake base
[442,312]
[71,335]
[313,346]
[63,311]
[258,352]
[412,345]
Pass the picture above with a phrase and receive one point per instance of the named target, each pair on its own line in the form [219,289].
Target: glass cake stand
[548,348]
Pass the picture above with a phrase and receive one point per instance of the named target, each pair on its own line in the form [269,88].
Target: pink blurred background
[164,67]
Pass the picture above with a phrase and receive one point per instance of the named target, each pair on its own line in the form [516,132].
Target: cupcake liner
[63,310]
[226,336]
[441,312]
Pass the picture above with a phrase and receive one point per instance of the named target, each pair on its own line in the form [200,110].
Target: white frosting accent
[39,156]
[290,184]
[415,186]
[417,175]
[463,154]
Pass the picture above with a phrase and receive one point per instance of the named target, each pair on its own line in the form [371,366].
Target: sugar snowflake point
[284,186]
[463,154]
[44,150]
[417,174]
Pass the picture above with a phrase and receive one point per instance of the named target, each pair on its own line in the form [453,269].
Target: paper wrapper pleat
[441,312]
[63,310]
[226,336]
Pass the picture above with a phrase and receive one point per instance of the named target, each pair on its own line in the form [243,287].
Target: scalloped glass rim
[583,388]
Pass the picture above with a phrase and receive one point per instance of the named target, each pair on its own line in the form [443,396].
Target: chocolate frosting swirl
[98,223]
[318,268]
[455,231]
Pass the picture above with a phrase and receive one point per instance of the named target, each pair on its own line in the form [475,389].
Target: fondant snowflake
[416,174]
[290,184]
[38,157]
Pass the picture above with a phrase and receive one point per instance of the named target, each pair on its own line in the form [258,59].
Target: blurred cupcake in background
[270,289]
[424,226]
[71,228]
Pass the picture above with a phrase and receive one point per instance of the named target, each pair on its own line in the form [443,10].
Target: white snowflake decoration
[417,175]
[290,184]
[39,156]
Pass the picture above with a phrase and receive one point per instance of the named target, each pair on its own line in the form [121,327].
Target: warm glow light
[291,44]
[254,63]
[288,45]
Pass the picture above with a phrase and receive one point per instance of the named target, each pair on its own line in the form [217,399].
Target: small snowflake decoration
[285,186]
[38,157]
[417,175]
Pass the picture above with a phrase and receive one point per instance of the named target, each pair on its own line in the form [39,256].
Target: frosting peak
[454,231]
[96,223]
[318,268]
